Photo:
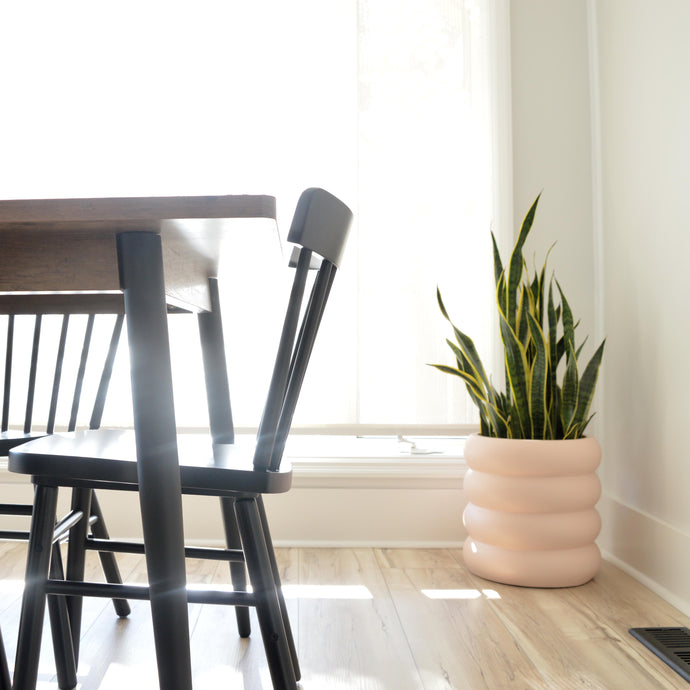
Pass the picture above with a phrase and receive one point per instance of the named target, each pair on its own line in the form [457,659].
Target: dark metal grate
[672,645]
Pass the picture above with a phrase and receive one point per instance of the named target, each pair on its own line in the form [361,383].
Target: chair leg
[238,573]
[76,561]
[267,604]
[279,590]
[108,561]
[4,670]
[61,629]
[34,599]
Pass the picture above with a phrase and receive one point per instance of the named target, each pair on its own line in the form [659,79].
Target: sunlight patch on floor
[11,586]
[460,593]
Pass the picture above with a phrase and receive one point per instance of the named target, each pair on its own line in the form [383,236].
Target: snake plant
[546,396]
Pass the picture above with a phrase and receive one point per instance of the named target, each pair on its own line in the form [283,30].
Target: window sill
[383,462]
[361,462]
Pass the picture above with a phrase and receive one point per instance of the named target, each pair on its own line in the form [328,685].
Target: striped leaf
[568,324]
[538,388]
[517,369]
[516,264]
[552,317]
[587,385]
[498,264]
[569,393]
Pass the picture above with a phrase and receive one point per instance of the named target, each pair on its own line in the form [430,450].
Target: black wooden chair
[214,466]
[5,683]
[20,386]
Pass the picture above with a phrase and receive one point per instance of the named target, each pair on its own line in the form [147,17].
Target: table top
[138,212]
[69,245]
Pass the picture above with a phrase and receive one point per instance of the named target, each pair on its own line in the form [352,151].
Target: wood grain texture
[425,623]
[70,244]
[56,212]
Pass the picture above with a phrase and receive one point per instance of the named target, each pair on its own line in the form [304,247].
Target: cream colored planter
[531,518]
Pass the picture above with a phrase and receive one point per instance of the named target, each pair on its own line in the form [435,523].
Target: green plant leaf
[587,385]
[569,393]
[516,265]
[447,370]
[501,297]
[465,366]
[498,264]
[521,324]
[552,318]
[538,381]
[517,372]
[468,348]
[568,325]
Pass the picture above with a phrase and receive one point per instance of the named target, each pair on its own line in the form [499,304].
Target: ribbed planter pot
[531,516]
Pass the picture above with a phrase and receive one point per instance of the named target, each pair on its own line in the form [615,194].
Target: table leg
[222,430]
[141,277]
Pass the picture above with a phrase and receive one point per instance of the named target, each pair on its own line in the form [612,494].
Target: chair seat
[109,456]
[13,437]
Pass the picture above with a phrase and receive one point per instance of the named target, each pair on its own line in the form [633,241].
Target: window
[386,103]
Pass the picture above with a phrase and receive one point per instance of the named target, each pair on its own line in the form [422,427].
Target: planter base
[553,568]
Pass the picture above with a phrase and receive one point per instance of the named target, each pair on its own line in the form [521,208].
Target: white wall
[552,143]
[644,55]
[601,122]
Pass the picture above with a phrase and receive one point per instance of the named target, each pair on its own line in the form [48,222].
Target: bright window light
[385,103]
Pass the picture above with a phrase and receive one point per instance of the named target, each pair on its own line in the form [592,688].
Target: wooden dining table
[143,256]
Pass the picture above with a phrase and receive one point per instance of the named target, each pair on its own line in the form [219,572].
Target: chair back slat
[32,374]
[320,227]
[300,359]
[56,357]
[8,374]
[281,368]
[80,373]
[50,426]
[106,374]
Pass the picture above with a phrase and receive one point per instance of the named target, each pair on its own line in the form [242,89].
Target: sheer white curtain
[386,103]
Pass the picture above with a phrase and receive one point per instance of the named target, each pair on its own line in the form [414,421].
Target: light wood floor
[384,619]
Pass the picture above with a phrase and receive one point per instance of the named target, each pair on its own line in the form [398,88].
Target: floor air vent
[672,645]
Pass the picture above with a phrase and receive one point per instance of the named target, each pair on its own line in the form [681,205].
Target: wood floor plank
[455,636]
[423,623]
[568,641]
[115,649]
[623,603]
[220,658]
[415,558]
[350,637]
[112,647]
[12,566]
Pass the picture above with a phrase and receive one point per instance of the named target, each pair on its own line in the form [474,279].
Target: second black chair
[23,385]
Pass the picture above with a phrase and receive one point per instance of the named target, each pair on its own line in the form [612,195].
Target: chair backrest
[320,227]
[16,307]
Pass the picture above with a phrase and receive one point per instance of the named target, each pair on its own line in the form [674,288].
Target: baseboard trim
[652,585]
[360,544]
[650,550]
